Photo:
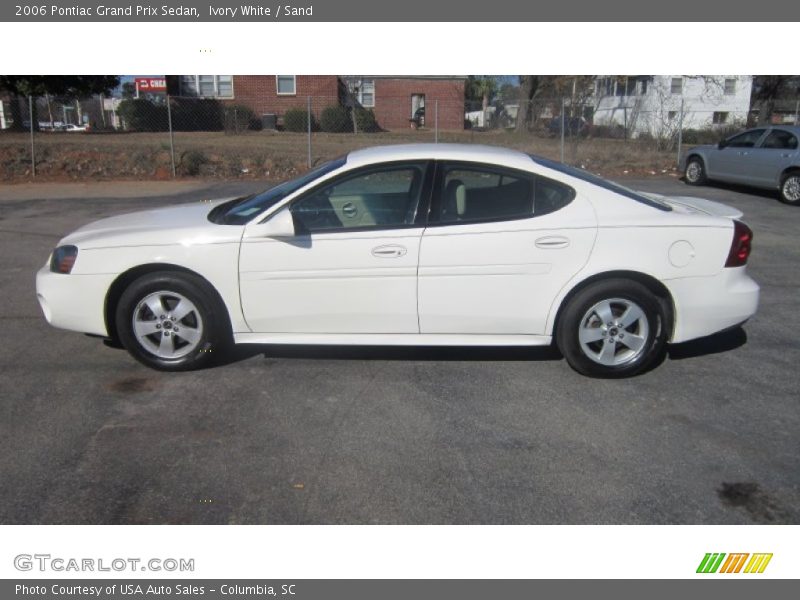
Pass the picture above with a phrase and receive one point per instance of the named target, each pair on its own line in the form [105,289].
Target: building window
[286,85]
[730,87]
[676,86]
[719,118]
[363,91]
[643,87]
[605,86]
[672,114]
[206,86]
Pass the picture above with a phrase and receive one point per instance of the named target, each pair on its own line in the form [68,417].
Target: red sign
[151,84]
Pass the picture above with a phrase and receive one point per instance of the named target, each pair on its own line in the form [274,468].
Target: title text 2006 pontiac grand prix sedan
[429,244]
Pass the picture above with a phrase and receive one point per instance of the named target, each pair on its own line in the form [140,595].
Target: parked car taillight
[63,259]
[740,246]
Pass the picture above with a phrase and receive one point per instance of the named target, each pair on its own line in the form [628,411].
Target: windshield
[600,182]
[243,210]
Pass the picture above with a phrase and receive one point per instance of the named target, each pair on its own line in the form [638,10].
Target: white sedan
[425,244]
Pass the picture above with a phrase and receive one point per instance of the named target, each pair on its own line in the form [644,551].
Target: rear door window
[481,193]
[778,139]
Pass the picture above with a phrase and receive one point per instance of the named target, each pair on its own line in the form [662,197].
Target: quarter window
[286,85]
[385,197]
[779,139]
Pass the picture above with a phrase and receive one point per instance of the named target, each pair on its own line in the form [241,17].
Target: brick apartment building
[398,102]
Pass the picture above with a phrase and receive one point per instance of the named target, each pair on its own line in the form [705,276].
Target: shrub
[196,114]
[142,115]
[192,160]
[238,118]
[709,135]
[296,119]
[365,120]
[336,119]
[614,131]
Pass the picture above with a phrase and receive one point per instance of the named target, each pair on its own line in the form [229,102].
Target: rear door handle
[552,242]
[389,251]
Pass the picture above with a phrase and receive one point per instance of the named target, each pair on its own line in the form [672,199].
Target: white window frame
[358,84]
[294,85]
[197,93]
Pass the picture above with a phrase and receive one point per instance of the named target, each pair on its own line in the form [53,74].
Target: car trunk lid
[689,205]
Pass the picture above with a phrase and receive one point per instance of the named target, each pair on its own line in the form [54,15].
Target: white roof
[465,152]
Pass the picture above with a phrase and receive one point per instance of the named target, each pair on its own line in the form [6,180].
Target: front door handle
[552,242]
[389,251]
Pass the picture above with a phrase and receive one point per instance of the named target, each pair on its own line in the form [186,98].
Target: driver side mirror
[279,225]
[722,144]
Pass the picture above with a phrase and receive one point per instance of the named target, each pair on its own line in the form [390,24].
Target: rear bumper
[74,302]
[707,305]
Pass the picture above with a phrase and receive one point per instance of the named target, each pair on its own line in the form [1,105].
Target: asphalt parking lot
[377,435]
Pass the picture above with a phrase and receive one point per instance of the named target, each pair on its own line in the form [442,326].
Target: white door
[352,265]
[504,246]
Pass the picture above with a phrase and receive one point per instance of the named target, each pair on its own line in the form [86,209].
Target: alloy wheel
[614,332]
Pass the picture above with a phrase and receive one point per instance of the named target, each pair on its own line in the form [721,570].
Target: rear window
[600,182]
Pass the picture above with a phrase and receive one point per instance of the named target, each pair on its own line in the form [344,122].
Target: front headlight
[63,259]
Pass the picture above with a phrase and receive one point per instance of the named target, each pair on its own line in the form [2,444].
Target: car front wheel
[613,328]
[695,173]
[171,322]
[790,188]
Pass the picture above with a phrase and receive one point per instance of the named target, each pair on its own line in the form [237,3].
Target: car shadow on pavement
[713,344]
[398,353]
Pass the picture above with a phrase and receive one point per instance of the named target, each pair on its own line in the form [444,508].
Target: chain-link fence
[164,137]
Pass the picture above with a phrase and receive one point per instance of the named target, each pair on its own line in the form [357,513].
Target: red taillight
[740,246]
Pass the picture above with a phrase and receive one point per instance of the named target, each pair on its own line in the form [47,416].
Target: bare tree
[768,89]
[529,85]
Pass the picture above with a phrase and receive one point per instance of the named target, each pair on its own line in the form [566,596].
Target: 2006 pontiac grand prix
[428,244]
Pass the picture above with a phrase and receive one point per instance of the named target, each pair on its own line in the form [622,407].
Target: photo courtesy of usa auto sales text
[135,589]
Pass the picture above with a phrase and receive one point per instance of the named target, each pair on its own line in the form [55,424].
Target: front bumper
[74,302]
[707,305]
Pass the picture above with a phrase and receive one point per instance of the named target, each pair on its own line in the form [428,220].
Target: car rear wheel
[695,173]
[171,322]
[790,188]
[613,328]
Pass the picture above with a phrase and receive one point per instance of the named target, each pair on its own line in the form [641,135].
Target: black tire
[695,171]
[207,322]
[790,188]
[579,317]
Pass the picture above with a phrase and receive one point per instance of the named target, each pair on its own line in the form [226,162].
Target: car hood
[689,205]
[185,224]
